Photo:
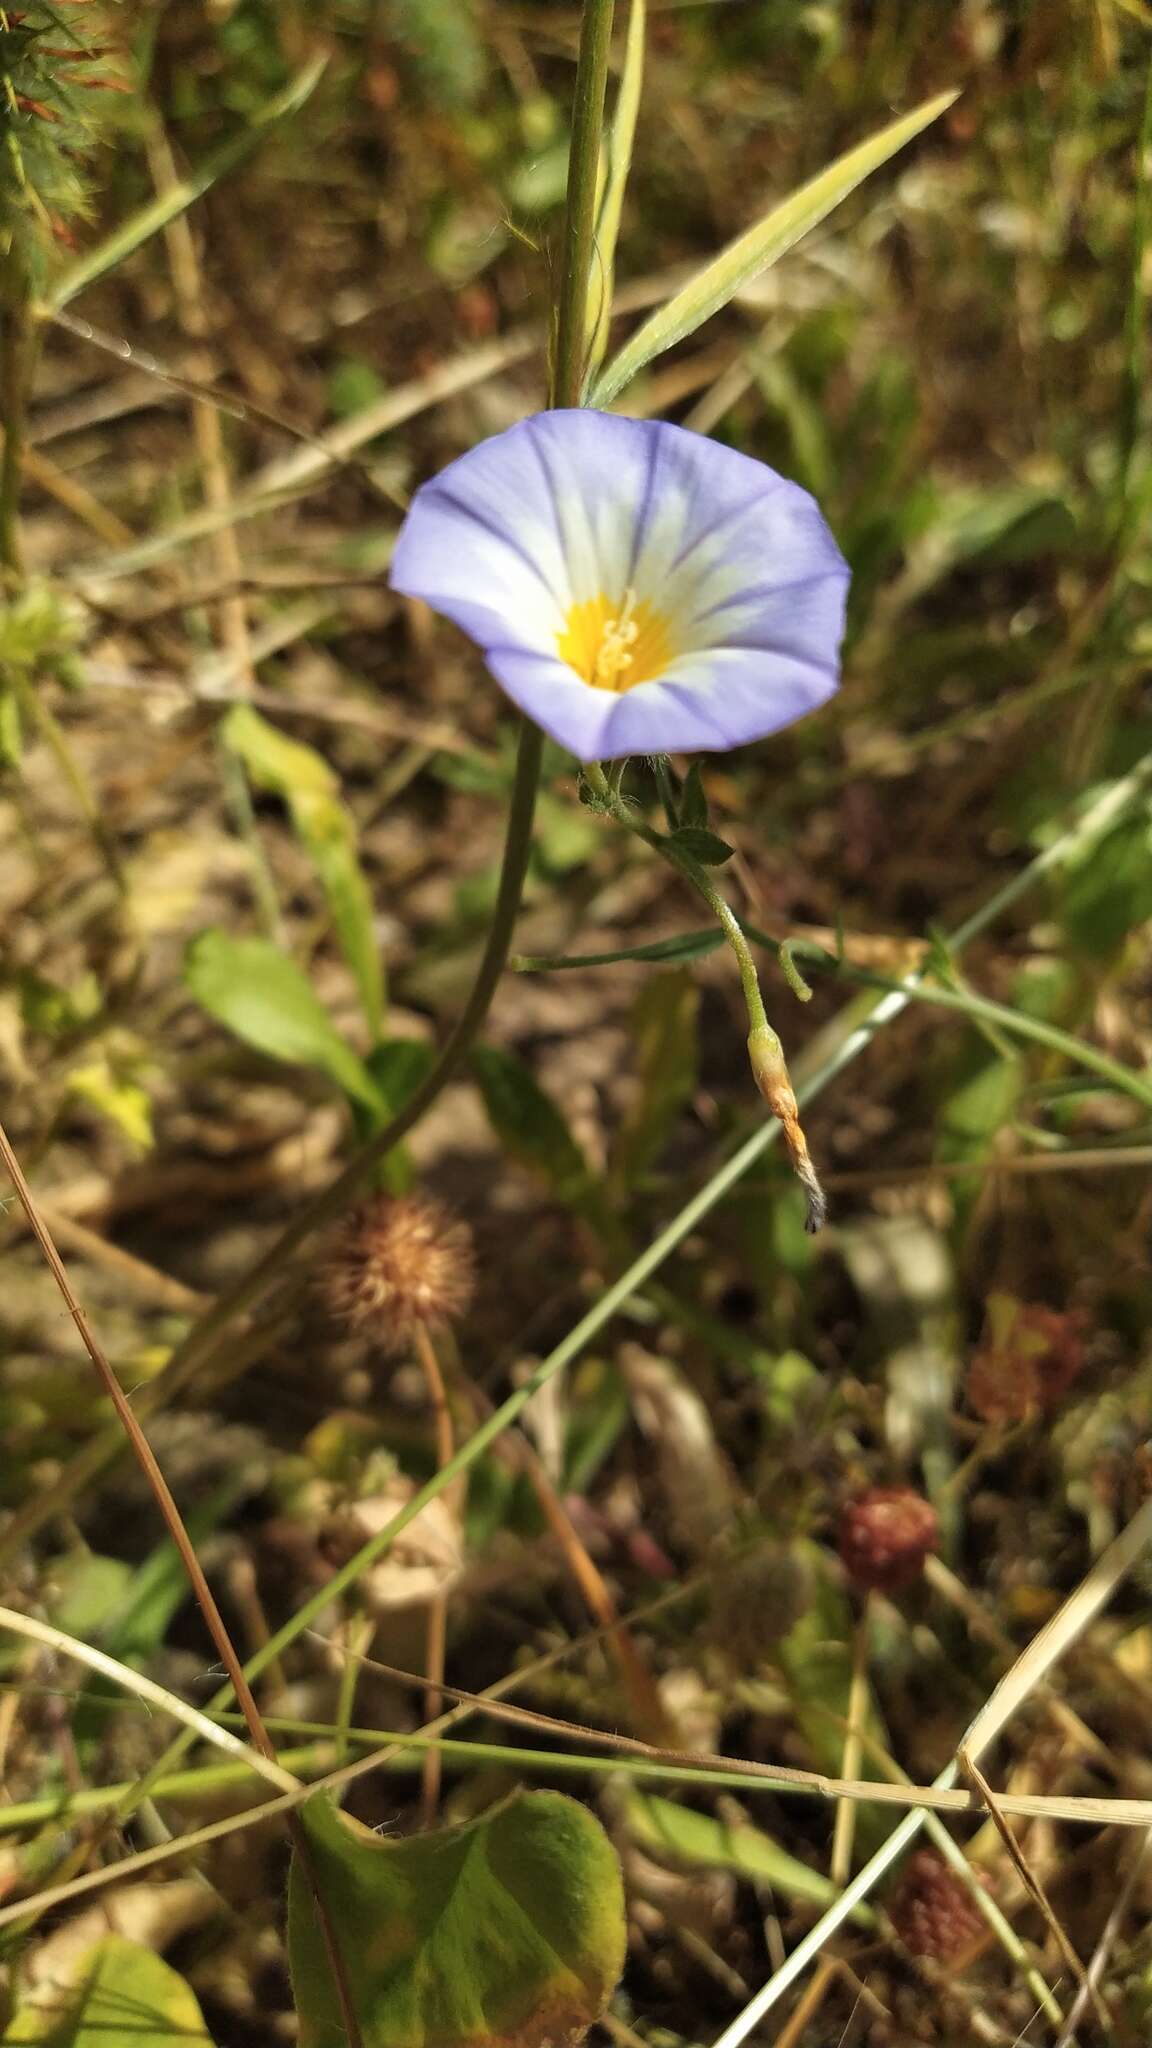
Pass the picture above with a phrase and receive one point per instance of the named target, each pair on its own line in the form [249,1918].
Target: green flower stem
[765,1052]
[580,212]
[694,873]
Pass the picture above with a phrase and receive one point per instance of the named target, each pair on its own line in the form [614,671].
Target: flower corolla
[634,587]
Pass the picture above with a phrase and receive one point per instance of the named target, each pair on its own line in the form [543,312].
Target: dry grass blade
[146,1689]
[1029,1672]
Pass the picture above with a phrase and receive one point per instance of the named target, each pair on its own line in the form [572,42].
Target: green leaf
[398,1067]
[528,1123]
[664,1032]
[507,1932]
[261,995]
[680,1832]
[1106,893]
[683,946]
[706,847]
[620,141]
[815,1660]
[693,801]
[311,791]
[115,1995]
[759,247]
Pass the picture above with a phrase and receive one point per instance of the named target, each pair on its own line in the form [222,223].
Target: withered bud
[770,1072]
[398,1262]
[885,1536]
[932,1909]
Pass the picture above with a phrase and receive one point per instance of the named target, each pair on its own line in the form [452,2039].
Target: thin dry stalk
[844,1832]
[1026,1874]
[145,1689]
[1090,1989]
[436,1632]
[174,1523]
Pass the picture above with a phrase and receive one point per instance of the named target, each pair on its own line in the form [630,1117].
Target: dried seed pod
[885,1536]
[398,1262]
[932,1910]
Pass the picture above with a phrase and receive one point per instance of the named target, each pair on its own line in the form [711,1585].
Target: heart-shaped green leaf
[507,1932]
[115,1995]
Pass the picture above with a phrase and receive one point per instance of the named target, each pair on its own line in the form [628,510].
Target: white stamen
[619,637]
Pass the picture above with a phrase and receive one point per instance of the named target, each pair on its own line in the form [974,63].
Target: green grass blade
[602,280]
[152,218]
[759,247]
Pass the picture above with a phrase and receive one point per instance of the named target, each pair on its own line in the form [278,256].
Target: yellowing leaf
[758,247]
[619,163]
[311,791]
[505,1933]
[115,1995]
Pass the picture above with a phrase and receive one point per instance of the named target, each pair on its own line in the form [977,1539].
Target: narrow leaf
[693,801]
[695,1838]
[759,247]
[160,212]
[507,1932]
[311,790]
[705,847]
[684,946]
[663,1028]
[266,1000]
[620,141]
[112,1995]
[528,1122]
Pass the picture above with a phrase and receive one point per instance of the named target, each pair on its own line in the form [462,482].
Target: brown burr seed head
[885,1536]
[397,1262]
[932,1910]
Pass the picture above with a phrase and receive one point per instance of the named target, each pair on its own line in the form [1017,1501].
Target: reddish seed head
[885,1536]
[1028,1358]
[398,1262]
[932,1910]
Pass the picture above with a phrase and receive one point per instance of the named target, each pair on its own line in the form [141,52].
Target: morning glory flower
[635,588]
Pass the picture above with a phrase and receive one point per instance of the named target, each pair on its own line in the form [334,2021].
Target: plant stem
[580,212]
[436,1626]
[765,1052]
[17,354]
[204,1339]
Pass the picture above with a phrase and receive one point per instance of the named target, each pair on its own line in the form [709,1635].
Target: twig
[1024,1871]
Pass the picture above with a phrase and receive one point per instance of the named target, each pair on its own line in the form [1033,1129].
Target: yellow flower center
[615,646]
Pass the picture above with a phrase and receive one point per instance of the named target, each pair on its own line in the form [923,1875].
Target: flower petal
[575,507]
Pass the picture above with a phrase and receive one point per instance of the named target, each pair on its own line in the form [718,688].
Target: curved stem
[204,1338]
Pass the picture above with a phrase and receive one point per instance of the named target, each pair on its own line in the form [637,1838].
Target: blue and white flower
[635,588]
